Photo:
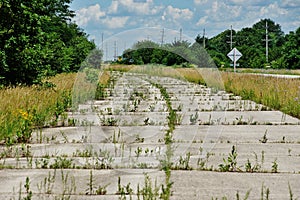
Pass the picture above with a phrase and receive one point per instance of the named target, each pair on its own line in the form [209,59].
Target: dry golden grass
[277,93]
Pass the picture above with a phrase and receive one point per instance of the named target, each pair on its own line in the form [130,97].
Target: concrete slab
[134,145]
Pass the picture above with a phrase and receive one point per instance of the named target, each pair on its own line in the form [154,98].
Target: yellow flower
[24,114]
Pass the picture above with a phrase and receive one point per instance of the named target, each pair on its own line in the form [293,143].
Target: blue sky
[123,22]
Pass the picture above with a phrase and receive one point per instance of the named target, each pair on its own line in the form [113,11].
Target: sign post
[234,55]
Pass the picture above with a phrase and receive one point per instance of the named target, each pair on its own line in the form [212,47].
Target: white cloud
[291,3]
[272,10]
[86,15]
[199,2]
[93,14]
[215,15]
[178,14]
[145,7]
[113,7]
[202,21]
[220,12]
[115,22]
[250,3]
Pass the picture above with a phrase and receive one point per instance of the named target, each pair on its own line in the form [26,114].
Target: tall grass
[23,108]
[277,93]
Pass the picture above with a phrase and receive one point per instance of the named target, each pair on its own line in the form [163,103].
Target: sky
[120,23]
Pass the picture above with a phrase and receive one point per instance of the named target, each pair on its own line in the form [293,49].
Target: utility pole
[204,38]
[231,38]
[115,50]
[102,42]
[162,36]
[180,37]
[267,43]
[106,51]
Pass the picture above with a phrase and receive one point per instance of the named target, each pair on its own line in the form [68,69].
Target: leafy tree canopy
[283,50]
[38,39]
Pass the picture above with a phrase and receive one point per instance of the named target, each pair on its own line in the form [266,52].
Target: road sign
[234,55]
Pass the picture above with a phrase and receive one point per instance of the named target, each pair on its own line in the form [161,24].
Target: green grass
[25,108]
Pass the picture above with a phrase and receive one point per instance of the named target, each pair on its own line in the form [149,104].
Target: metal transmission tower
[267,43]
[231,38]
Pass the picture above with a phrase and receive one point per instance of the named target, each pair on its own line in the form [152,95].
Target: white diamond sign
[234,54]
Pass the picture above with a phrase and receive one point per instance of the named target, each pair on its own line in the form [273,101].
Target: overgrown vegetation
[38,39]
[279,94]
[25,108]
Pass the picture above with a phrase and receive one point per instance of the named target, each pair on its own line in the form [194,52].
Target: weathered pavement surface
[123,136]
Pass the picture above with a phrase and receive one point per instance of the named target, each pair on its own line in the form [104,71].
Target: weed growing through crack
[246,195]
[257,166]
[68,186]
[265,192]
[90,184]
[166,163]
[138,152]
[28,191]
[194,118]
[275,166]
[230,164]
[124,190]
[149,191]
[291,192]
[289,152]
[105,159]
[264,139]
[47,185]
[62,163]
[184,162]
[92,189]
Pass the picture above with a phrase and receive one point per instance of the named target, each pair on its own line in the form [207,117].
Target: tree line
[283,49]
[38,39]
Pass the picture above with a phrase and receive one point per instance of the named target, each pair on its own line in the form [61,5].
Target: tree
[291,49]
[37,39]
[94,58]
[250,41]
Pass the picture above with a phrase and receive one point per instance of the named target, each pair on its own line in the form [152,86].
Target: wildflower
[24,114]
